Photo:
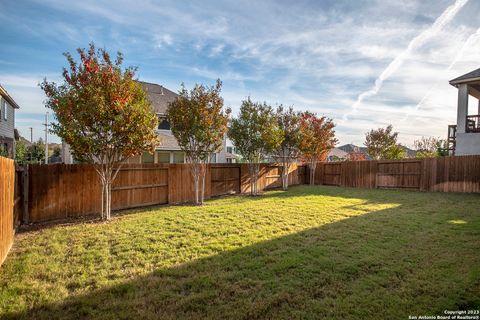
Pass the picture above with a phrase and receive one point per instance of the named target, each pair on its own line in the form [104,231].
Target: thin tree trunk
[204,171]
[285,170]
[104,200]
[195,178]
[313,165]
[109,192]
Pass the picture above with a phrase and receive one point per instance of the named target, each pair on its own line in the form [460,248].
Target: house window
[164,124]
[230,149]
[163,156]
[147,158]
[213,158]
[178,157]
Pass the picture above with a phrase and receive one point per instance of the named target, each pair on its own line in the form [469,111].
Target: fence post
[25,194]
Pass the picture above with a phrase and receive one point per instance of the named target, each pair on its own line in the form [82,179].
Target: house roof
[167,141]
[348,148]
[7,97]
[467,77]
[159,96]
[336,152]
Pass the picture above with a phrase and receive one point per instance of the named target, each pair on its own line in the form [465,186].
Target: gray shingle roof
[168,141]
[159,96]
[475,74]
[337,153]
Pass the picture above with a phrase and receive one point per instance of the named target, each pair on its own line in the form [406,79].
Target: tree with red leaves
[317,138]
[102,113]
[199,123]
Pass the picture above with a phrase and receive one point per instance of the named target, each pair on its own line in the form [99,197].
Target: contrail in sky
[459,56]
[416,42]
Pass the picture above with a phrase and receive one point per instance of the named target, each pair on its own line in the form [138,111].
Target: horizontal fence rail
[59,191]
[443,174]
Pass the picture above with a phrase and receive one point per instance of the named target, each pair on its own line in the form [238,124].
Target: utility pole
[46,138]
[31,135]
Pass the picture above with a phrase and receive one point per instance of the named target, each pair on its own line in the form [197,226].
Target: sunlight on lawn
[457,221]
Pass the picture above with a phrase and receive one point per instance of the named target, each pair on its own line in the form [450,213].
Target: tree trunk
[204,172]
[109,200]
[104,200]
[196,185]
[107,175]
[313,166]
[285,169]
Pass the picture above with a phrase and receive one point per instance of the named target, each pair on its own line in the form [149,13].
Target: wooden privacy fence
[444,174]
[62,191]
[7,193]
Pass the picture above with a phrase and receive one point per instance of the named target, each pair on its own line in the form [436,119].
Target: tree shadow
[383,264]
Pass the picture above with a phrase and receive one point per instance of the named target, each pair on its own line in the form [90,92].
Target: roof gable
[159,96]
[8,98]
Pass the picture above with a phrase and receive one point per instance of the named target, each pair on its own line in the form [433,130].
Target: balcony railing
[473,123]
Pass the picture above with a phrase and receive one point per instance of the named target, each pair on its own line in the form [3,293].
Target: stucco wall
[467,144]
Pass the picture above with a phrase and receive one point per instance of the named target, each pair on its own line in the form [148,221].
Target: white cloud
[310,54]
[163,41]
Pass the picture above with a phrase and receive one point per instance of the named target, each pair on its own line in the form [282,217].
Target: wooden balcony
[473,123]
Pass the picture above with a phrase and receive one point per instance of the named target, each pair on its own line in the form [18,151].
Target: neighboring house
[337,154]
[231,155]
[7,123]
[361,153]
[464,137]
[355,152]
[168,151]
[409,153]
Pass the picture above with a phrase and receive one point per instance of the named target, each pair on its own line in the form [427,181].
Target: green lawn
[311,252]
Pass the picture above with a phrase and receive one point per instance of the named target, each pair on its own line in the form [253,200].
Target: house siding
[467,144]
[7,127]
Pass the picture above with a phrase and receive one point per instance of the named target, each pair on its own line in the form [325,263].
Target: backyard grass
[311,252]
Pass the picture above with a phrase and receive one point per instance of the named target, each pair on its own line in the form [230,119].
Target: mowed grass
[311,252]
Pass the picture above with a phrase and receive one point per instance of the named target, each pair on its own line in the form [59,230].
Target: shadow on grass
[385,264]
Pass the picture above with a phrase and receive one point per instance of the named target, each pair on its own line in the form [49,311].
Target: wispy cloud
[470,40]
[416,42]
[320,56]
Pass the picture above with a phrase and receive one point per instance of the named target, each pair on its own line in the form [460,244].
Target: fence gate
[332,174]
[225,180]
[399,174]
[302,174]
[140,186]
[273,177]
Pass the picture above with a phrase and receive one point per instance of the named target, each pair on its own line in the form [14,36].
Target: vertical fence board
[441,174]
[7,198]
[61,191]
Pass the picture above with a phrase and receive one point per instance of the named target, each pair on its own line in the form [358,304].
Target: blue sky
[365,64]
